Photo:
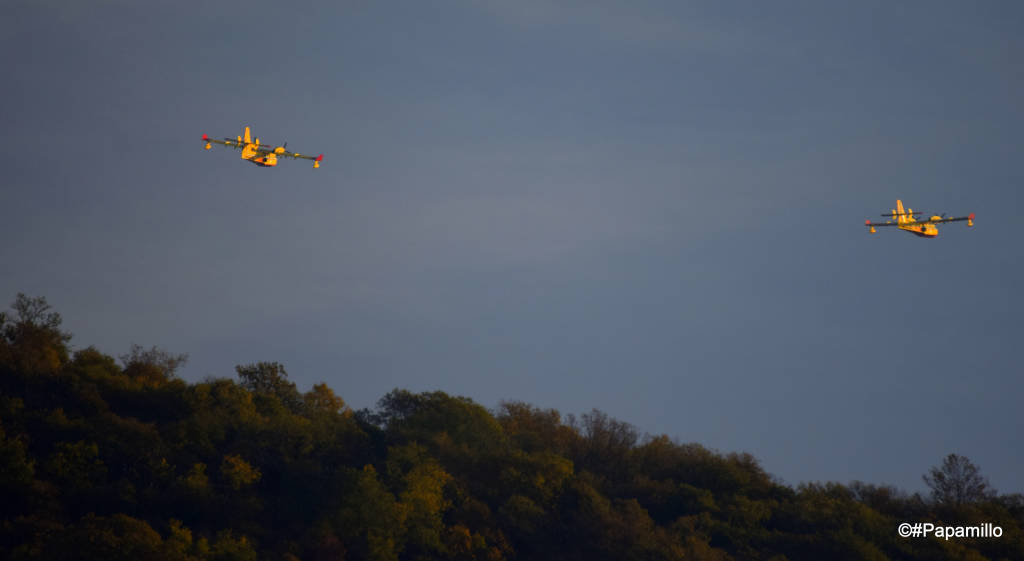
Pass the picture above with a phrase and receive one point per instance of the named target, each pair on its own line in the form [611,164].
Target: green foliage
[535,430]
[118,537]
[238,472]
[196,479]
[76,466]
[606,445]
[106,461]
[228,547]
[270,380]
[154,366]
[541,476]
[16,468]
[453,425]
[17,471]
[89,363]
[372,520]
[423,501]
[31,341]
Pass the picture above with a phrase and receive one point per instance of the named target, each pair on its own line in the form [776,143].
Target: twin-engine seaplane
[264,155]
[904,220]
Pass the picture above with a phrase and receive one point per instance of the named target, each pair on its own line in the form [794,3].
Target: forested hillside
[104,458]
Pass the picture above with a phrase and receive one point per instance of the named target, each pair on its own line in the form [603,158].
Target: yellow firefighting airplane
[262,155]
[925,228]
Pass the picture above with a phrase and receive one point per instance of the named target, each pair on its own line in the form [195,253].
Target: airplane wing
[268,149]
[296,155]
[954,219]
[226,142]
[870,223]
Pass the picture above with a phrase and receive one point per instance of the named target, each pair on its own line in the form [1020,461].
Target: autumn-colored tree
[104,461]
[321,400]
[31,341]
[239,472]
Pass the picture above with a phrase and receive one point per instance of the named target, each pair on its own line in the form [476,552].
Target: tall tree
[153,364]
[270,378]
[957,482]
[31,341]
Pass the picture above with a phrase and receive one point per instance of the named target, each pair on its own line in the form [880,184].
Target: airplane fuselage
[920,230]
[268,161]
[251,153]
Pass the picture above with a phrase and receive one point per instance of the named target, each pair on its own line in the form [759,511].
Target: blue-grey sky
[653,208]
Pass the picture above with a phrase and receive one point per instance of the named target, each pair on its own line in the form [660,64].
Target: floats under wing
[297,156]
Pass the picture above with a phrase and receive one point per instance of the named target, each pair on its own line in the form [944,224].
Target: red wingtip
[971,216]
[867,222]
[206,137]
[320,157]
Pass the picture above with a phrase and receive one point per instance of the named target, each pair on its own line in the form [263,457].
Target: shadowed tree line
[108,459]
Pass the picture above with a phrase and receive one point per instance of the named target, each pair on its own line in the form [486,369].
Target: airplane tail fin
[900,215]
[247,138]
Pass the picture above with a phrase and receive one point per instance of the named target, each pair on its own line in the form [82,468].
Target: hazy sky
[654,208]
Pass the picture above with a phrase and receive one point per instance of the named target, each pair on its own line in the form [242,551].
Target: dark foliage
[957,482]
[106,461]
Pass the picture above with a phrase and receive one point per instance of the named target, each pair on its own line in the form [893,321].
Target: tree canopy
[957,482]
[101,459]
